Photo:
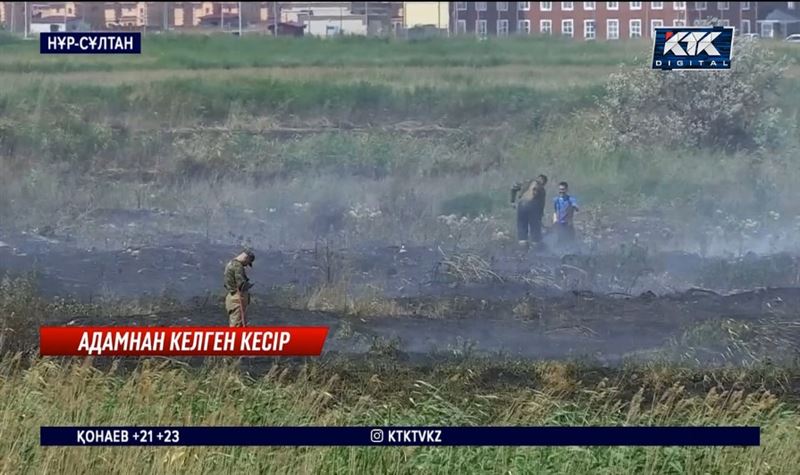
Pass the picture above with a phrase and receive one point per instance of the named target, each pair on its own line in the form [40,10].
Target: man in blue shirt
[565,207]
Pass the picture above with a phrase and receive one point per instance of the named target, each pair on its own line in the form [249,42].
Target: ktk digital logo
[693,48]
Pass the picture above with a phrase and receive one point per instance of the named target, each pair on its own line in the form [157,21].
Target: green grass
[228,52]
[438,119]
[189,100]
[205,52]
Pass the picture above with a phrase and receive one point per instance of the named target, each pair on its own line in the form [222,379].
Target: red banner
[181,341]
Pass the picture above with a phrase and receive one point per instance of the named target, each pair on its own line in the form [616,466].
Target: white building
[325,18]
[57,23]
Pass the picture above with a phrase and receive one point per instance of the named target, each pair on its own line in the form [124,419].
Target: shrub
[731,109]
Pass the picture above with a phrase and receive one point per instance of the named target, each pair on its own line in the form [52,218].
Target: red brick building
[616,20]
[489,18]
[582,20]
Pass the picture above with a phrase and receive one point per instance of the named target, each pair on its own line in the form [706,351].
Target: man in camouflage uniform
[238,286]
[530,209]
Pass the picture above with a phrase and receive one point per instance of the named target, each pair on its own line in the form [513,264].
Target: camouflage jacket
[235,277]
[529,191]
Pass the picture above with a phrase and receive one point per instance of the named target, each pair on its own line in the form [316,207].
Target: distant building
[580,20]
[780,23]
[214,14]
[287,29]
[325,19]
[220,13]
[341,18]
[57,23]
[124,14]
[13,17]
[52,9]
[379,15]
[425,18]
[744,16]
[421,14]
[617,20]
[12,14]
[90,14]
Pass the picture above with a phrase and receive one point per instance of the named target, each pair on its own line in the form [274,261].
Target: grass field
[205,52]
[204,126]
[258,111]
[461,393]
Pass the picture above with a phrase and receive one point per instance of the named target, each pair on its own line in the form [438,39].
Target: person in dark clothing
[530,209]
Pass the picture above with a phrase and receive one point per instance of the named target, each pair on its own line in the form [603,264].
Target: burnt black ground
[534,309]
[571,326]
[185,268]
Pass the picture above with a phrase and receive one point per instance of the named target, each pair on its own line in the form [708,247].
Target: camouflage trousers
[236,306]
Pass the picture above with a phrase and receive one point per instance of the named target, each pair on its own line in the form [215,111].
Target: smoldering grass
[464,268]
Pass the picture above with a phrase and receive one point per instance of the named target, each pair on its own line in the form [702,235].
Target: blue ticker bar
[400,436]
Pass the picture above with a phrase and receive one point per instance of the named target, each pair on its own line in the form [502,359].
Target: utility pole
[222,15]
[439,17]
[275,19]
[757,26]
[405,21]
[166,15]
[240,19]
[26,20]
[366,14]
[455,18]
[448,20]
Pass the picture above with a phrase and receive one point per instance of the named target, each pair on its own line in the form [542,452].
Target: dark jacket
[531,194]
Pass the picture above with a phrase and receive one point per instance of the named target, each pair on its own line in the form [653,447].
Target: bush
[729,109]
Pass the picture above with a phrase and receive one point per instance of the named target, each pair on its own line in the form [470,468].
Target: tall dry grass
[50,392]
